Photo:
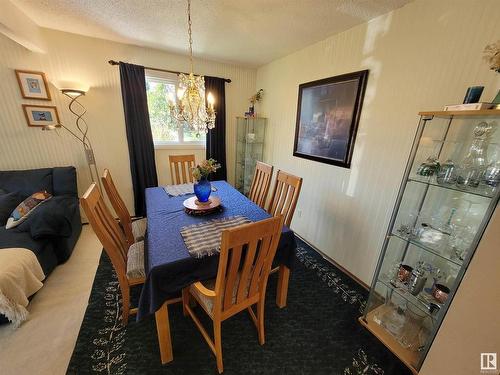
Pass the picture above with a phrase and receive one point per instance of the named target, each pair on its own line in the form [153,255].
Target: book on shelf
[468,107]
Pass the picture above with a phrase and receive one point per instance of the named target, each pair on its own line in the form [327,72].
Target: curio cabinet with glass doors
[250,135]
[449,192]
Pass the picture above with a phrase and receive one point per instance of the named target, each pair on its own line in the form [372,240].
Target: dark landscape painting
[327,118]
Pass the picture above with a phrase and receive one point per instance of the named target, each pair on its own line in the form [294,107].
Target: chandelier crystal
[190,107]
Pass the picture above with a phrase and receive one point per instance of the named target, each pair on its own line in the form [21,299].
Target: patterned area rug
[317,333]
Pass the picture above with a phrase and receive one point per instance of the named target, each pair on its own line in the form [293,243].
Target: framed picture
[41,115]
[33,85]
[327,118]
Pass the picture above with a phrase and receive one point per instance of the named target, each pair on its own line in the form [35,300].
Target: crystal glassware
[491,176]
[460,240]
[408,335]
[472,167]
[447,173]
[429,167]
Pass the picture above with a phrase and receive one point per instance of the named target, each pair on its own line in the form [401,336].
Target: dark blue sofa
[52,230]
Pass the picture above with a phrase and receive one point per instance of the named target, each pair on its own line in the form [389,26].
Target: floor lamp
[79,111]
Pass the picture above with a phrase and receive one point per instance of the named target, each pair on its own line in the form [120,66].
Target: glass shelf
[250,143]
[421,302]
[427,248]
[479,191]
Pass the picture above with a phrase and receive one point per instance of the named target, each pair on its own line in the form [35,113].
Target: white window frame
[172,78]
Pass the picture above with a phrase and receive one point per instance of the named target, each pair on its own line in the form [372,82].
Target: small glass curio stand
[449,192]
[249,149]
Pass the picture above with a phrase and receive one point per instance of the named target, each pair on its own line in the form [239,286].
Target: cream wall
[83,59]
[420,57]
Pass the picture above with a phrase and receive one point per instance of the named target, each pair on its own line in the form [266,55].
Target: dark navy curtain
[139,136]
[216,138]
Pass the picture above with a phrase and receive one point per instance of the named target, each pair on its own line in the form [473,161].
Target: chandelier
[190,108]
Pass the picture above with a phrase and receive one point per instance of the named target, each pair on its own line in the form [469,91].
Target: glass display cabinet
[250,135]
[449,191]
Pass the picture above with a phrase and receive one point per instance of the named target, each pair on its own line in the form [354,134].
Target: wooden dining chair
[181,165]
[260,183]
[285,195]
[237,288]
[128,261]
[134,230]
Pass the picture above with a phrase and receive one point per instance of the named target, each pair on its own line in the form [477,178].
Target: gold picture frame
[41,115]
[33,84]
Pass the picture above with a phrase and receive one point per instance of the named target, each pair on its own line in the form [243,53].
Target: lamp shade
[72,88]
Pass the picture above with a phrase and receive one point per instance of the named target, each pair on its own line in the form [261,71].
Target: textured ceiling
[247,32]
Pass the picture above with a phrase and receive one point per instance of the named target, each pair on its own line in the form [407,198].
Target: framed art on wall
[41,115]
[33,85]
[328,114]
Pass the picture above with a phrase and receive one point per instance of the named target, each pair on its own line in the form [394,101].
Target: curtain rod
[113,62]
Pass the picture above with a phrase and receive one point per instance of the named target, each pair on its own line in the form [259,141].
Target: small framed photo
[41,115]
[33,85]
[328,113]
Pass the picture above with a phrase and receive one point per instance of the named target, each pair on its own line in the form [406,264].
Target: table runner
[204,239]
[169,267]
[181,189]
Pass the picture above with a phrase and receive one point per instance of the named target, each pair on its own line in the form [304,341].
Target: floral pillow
[26,207]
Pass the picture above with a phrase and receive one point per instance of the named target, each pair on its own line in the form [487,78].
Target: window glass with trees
[160,87]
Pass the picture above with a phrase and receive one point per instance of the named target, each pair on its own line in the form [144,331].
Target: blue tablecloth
[169,267]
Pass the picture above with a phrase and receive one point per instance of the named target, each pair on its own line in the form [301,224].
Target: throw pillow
[26,207]
[8,202]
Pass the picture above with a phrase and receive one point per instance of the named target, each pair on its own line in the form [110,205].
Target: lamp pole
[83,128]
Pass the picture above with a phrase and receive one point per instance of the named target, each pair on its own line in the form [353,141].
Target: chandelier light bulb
[171,98]
[210,100]
[180,93]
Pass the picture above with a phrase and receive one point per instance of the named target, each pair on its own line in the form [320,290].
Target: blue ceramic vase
[202,189]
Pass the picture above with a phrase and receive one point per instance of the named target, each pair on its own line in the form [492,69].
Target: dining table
[170,267]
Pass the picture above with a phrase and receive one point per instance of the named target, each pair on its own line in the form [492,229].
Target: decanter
[473,166]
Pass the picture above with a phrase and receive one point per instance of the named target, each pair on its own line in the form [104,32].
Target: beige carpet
[44,343]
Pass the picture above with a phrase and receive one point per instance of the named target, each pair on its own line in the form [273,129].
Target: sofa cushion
[51,219]
[8,202]
[135,261]
[26,207]
[27,182]
[64,181]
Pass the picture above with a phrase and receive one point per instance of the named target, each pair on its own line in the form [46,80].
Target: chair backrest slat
[246,271]
[181,165]
[232,273]
[106,228]
[285,195]
[259,264]
[258,241]
[260,183]
[118,205]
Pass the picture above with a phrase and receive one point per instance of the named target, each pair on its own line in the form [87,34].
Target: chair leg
[125,304]
[185,301]
[260,319]
[218,345]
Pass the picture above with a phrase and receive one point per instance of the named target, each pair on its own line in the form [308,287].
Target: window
[159,87]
